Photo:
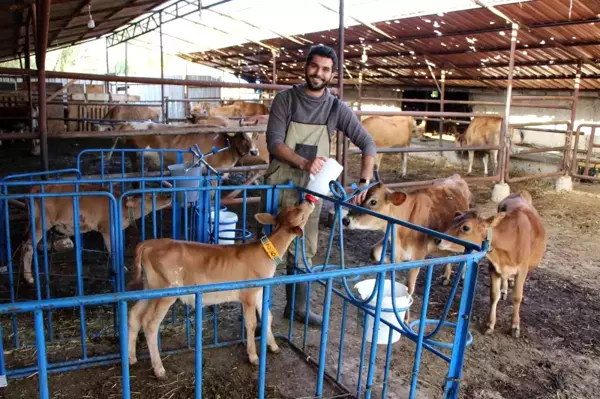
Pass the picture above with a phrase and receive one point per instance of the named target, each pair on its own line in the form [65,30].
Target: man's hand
[360,197]
[314,167]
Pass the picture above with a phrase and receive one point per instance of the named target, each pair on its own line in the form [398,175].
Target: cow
[517,246]
[260,141]
[433,207]
[127,113]
[94,215]
[393,131]
[483,131]
[16,119]
[170,263]
[238,108]
[240,144]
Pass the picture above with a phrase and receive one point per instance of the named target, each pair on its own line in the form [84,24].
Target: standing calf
[518,244]
[170,263]
[94,215]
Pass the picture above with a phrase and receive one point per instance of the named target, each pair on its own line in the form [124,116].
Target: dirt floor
[556,356]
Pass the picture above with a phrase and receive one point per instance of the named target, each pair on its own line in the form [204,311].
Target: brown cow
[260,141]
[128,113]
[392,131]
[94,215]
[433,207]
[238,108]
[170,263]
[517,246]
[240,144]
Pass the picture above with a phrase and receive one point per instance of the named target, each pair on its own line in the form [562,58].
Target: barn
[143,235]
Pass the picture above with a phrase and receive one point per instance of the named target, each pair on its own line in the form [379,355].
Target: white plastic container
[227,221]
[403,300]
[320,182]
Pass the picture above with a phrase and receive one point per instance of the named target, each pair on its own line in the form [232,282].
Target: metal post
[342,141]
[360,79]
[274,80]
[569,136]
[43,21]
[107,84]
[28,77]
[505,142]
[162,69]
[126,72]
[443,89]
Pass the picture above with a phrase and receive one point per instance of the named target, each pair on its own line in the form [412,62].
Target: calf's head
[243,143]
[379,199]
[468,226]
[133,205]
[291,218]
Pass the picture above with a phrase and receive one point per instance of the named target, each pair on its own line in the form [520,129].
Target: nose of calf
[254,152]
[437,241]
[346,221]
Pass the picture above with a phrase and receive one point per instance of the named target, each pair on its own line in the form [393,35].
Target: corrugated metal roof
[473,45]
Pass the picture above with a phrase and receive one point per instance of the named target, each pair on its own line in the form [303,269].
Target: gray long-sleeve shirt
[294,104]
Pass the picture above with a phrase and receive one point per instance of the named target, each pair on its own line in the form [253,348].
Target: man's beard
[315,87]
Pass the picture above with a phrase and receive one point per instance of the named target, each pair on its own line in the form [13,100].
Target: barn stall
[92,341]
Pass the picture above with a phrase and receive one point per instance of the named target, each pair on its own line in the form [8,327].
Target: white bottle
[320,183]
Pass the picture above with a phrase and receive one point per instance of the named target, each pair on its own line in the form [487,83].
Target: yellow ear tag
[270,250]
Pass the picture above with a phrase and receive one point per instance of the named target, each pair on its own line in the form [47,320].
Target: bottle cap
[312,199]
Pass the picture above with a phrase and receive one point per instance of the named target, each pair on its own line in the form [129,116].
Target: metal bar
[27,78]
[198,344]
[162,66]
[42,30]
[569,136]
[534,177]
[544,98]
[443,89]
[539,150]
[584,177]
[505,142]
[144,80]
[386,150]
[589,152]
[40,344]
[423,114]
[546,123]
[342,141]
[423,183]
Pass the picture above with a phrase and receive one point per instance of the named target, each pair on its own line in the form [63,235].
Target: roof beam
[153,21]
[78,10]
[111,9]
[107,19]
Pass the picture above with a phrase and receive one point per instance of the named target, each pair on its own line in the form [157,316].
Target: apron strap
[332,119]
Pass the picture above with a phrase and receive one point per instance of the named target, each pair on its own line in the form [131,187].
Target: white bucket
[403,300]
[179,170]
[227,221]
[320,183]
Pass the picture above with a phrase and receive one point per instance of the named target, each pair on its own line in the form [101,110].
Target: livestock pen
[88,339]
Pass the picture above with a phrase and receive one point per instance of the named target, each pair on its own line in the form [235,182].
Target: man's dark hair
[323,51]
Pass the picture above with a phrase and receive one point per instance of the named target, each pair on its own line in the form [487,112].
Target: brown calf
[433,207]
[170,263]
[517,246]
[94,215]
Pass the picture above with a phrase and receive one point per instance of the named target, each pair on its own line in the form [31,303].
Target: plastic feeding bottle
[319,183]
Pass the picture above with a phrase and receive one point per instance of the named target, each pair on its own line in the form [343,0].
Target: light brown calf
[238,108]
[94,215]
[170,263]
[433,207]
[517,246]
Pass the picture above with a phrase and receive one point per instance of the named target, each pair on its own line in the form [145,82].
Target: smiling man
[302,122]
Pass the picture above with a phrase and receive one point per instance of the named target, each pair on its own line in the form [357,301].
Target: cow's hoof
[503,296]
[511,283]
[446,281]
[254,360]
[132,360]
[489,331]
[516,332]
[274,349]
[29,279]
[161,374]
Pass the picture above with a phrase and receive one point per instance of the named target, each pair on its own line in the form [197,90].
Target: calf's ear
[493,221]
[398,197]
[265,218]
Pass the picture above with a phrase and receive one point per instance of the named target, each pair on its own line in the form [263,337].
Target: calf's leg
[471,157]
[504,289]
[151,322]
[485,164]
[249,306]
[135,323]
[496,281]
[27,251]
[404,163]
[270,337]
[517,298]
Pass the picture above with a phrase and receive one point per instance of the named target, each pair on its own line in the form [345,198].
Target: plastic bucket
[227,223]
[403,301]
[179,170]
[320,182]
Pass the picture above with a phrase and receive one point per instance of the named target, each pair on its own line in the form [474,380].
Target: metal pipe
[505,142]
[274,79]
[143,80]
[539,150]
[526,124]
[43,21]
[133,133]
[387,150]
[360,80]
[342,141]
[544,98]
[569,136]
[27,78]
[107,84]
[443,82]
[162,68]
[534,177]
[430,182]
[423,114]
[589,152]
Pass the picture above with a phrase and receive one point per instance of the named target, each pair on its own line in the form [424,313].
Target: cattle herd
[518,236]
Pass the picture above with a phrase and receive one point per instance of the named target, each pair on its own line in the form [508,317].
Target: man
[302,121]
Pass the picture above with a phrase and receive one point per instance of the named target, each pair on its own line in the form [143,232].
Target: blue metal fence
[192,221]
